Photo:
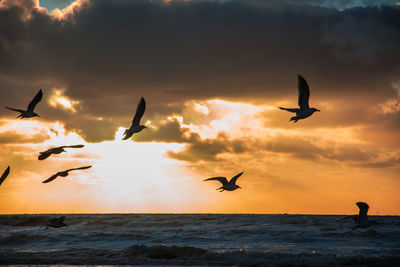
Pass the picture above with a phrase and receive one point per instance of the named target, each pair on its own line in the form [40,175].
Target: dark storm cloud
[110,53]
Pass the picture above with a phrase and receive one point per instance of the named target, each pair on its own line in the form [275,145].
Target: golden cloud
[59,99]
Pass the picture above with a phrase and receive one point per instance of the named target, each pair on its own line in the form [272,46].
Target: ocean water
[200,239]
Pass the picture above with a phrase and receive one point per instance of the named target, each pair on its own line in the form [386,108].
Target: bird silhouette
[136,127]
[361,219]
[228,186]
[304,94]
[5,174]
[55,150]
[64,173]
[28,113]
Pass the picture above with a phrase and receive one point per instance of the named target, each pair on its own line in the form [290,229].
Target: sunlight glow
[58,99]
[125,177]
[214,116]
[130,176]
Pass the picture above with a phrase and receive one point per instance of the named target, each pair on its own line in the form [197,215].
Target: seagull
[29,112]
[304,94]
[136,127]
[55,150]
[55,222]
[228,186]
[5,174]
[361,219]
[64,173]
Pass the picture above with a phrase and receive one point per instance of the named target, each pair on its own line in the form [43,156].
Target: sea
[199,240]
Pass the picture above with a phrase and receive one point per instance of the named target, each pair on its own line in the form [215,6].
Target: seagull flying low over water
[304,94]
[5,174]
[136,127]
[55,222]
[55,150]
[361,219]
[64,173]
[28,113]
[228,186]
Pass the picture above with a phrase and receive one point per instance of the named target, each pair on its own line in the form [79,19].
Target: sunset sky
[213,74]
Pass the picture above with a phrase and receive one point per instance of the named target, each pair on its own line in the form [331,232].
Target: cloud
[108,54]
[213,74]
[58,99]
[315,145]
[13,137]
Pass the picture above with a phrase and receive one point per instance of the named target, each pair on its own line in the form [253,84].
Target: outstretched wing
[304,92]
[80,168]
[5,174]
[222,180]
[44,155]
[234,178]
[294,110]
[15,109]
[74,146]
[139,112]
[50,179]
[35,100]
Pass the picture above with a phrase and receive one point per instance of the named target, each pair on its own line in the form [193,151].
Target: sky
[213,74]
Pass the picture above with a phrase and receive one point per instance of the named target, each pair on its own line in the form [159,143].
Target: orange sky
[147,177]
[214,114]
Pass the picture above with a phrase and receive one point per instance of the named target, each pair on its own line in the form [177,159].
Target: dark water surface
[199,239]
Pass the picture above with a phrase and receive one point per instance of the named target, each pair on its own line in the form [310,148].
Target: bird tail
[127,134]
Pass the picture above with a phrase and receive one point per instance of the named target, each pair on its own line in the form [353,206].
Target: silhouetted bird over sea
[64,173]
[55,222]
[56,150]
[304,94]
[136,127]
[29,112]
[228,186]
[5,174]
[361,219]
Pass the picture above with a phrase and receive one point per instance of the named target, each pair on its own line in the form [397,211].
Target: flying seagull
[64,173]
[55,222]
[55,150]
[136,127]
[228,186]
[5,174]
[304,94]
[28,113]
[361,219]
